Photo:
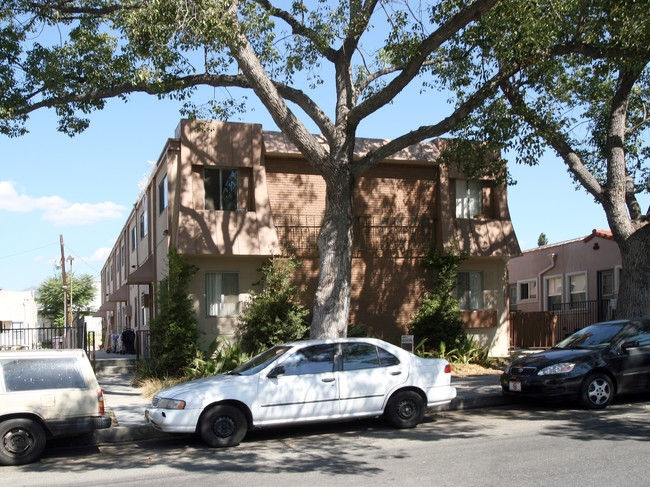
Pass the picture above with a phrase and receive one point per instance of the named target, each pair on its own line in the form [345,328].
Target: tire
[597,391]
[21,441]
[223,426]
[405,409]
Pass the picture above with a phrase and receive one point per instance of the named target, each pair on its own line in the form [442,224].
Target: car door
[305,389]
[367,374]
[636,359]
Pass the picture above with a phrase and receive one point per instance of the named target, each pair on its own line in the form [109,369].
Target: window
[318,359]
[143,224]
[553,293]
[469,290]
[527,290]
[134,238]
[577,290]
[469,198]
[162,195]
[512,294]
[220,189]
[222,293]
[35,374]
[359,356]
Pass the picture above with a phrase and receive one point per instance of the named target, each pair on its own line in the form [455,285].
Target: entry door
[308,388]
[605,293]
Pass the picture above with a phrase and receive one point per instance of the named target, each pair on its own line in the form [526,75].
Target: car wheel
[21,441]
[223,426]
[597,391]
[405,409]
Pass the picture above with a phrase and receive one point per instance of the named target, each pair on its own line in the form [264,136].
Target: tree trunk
[634,291]
[332,300]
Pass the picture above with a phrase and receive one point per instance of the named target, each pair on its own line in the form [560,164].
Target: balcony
[382,236]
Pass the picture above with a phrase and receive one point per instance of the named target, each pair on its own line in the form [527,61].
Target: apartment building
[230,195]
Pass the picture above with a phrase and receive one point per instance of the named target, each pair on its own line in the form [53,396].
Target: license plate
[514,386]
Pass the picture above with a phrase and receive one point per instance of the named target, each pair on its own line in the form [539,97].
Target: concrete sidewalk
[128,405]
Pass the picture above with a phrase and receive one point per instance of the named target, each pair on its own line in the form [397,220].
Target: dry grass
[468,370]
[149,387]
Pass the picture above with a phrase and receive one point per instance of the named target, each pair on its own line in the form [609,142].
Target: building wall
[590,254]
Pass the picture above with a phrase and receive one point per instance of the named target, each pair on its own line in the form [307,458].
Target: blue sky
[84,187]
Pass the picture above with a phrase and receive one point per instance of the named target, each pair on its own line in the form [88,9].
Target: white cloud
[100,255]
[56,209]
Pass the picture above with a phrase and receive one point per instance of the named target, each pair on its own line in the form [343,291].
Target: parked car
[592,365]
[306,381]
[45,394]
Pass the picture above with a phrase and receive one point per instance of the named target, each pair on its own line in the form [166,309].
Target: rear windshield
[40,373]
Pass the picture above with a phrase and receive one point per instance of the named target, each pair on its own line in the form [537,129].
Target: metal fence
[575,316]
[52,337]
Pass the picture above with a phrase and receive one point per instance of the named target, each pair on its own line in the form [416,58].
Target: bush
[273,315]
[222,356]
[438,319]
[174,330]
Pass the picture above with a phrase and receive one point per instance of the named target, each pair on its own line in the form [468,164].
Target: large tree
[583,91]
[49,296]
[285,52]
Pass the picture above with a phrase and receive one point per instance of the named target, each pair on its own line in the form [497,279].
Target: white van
[45,394]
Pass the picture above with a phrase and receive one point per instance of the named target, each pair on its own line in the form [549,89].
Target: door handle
[397,372]
[328,379]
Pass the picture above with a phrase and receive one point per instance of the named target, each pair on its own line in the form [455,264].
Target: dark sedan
[592,365]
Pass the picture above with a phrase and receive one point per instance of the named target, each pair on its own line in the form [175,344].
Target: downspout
[544,271]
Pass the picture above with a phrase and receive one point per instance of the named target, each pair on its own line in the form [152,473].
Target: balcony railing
[393,235]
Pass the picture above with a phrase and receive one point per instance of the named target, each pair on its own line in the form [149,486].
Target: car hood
[208,387]
[554,356]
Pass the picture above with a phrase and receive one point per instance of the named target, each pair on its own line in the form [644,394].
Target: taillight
[447,369]
[100,398]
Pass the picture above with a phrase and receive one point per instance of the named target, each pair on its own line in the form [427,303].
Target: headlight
[561,368]
[170,403]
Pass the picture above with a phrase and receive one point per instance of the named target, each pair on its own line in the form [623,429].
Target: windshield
[257,363]
[594,336]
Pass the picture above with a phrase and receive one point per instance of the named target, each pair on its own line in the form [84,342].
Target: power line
[26,251]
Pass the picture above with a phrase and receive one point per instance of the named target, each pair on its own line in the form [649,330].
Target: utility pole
[65,287]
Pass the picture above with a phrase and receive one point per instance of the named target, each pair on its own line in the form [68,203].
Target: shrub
[222,356]
[174,330]
[274,315]
[438,319]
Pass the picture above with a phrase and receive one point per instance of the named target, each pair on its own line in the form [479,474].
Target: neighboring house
[581,275]
[231,195]
[18,319]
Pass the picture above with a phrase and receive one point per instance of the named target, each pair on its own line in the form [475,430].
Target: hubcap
[406,409]
[224,427]
[17,441]
[599,391]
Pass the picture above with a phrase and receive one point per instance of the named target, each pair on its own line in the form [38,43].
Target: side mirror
[276,372]
[629,344]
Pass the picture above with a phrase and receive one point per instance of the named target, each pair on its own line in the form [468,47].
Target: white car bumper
[440,395]
[173,420]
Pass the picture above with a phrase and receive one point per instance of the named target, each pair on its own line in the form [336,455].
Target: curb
[121,434]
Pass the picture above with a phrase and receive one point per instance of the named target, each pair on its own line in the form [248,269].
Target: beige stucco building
[230,195]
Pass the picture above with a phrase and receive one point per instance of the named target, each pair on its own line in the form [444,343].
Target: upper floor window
[143,224]
[469,198]
[162,195]
[222,293]
[469,290]
[220,189]
[134,238]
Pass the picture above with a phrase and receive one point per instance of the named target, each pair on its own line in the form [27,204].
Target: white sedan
[306,381]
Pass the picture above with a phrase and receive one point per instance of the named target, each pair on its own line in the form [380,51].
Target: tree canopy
[49,296]
[358,55]
[581,88]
